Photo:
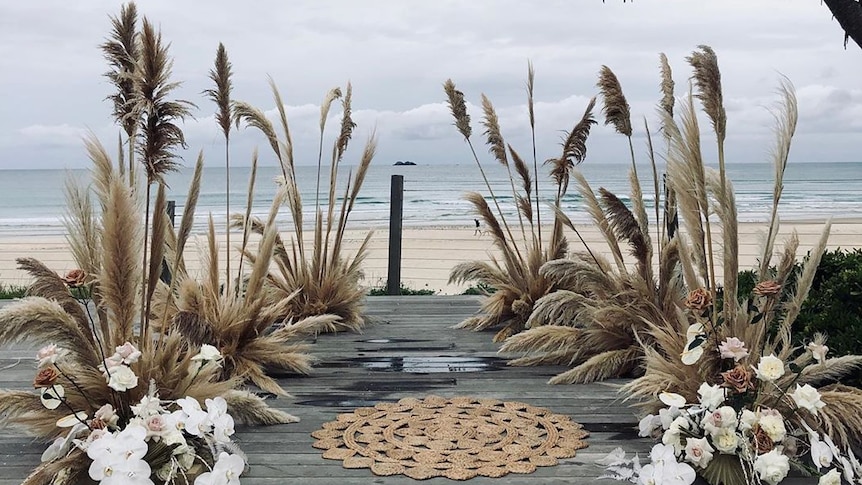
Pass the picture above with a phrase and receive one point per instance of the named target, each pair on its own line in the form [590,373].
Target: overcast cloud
[398,53]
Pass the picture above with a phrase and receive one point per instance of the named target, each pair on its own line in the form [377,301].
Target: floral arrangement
[129,448]
[749,428]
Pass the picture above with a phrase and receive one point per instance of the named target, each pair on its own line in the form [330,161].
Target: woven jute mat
[458,438]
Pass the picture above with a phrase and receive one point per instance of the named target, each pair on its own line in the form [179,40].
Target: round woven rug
[457,438]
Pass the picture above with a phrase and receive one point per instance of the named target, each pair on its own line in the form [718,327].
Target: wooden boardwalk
[409,351]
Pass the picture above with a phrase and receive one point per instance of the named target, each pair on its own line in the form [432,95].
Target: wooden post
[172,212]
[396,206]
[171,209]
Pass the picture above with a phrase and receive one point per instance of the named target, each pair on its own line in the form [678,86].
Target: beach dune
[429,253]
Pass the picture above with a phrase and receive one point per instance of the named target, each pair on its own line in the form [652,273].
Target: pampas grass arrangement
[316,280]
[247,326]
[97,378]
[140,379]
[516,277]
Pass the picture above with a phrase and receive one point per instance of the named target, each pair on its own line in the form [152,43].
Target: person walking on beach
[477,232]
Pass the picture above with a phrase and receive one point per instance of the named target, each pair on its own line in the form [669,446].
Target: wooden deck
[409,351]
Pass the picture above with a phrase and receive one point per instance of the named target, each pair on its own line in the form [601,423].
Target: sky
[398,53]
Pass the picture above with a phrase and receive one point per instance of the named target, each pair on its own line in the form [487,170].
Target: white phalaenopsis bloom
[663,469]
[648,425]
[807,397]
[191,418]
[770,368]
[821,454]
[672,436]
[222,422]
[62,445]
[118,458]
[698,451]
[772,467]
[711,397]
[121,378]
[226,471]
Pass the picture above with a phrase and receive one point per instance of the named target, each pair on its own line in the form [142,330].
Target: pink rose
[128,353]
[49,355]
[156,424]
[733,348]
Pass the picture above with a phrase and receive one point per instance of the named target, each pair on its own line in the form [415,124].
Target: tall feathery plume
[665,105]
[497,146]
[338,149]
[331,96]
[221,75]
[574,151]
[122,50]
[159,134]
[458,107]
[667,85]
[786,117]
[531,78]
[707,80]
[618,113]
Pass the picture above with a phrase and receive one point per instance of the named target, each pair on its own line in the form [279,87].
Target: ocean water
[33,201]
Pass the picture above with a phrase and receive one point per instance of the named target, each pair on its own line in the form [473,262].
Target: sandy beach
[429,253]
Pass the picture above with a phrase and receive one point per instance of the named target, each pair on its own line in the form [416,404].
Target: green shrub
[480,289]
[380,290]
[7,292]
[833,306]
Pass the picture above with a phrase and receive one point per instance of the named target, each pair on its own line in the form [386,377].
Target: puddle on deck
[420,365]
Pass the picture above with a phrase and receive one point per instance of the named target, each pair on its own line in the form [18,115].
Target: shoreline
[429,253]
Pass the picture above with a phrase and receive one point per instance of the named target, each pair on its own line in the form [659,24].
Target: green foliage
[7,292]
[481,289]
[833,306]
[380,290]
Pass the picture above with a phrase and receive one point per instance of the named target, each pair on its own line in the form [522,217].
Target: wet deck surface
[410,351]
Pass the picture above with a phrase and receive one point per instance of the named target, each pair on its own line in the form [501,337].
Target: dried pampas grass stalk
[122,50]
[221,75]
[159,133]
